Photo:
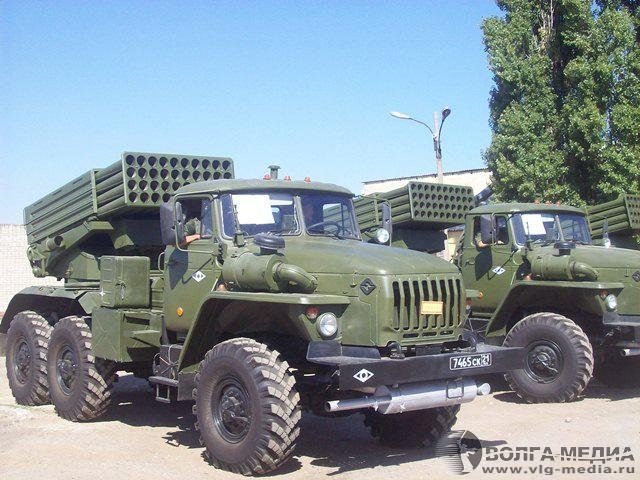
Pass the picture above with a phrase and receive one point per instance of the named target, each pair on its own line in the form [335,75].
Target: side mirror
[486,229]
[172,223]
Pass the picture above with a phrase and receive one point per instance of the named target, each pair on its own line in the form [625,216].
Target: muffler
[414,396]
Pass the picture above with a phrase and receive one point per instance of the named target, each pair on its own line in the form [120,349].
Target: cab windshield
[549,227]
[273,212]
[329,215]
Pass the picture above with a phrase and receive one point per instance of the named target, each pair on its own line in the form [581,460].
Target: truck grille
[408,293]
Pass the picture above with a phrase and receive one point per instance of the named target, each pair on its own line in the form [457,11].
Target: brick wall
[15,271]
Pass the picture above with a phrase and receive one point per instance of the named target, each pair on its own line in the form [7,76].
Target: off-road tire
[271,401]
[26,360]
[413,429]
[619,372]
[575,369]
[89,395]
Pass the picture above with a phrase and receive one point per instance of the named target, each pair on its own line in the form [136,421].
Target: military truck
[253,298]
[546,287]
[536,280]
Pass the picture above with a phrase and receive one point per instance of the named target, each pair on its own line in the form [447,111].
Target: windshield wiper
[280,230]
[333,234]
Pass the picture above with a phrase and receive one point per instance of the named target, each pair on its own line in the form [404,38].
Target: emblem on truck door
[363,375]
[198,276]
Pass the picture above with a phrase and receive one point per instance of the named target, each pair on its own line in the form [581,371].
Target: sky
[307,85]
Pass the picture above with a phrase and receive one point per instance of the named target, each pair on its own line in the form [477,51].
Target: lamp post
[435,133]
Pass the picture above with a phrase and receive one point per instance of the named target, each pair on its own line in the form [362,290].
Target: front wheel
[559,359]
[246,407]
[411,429]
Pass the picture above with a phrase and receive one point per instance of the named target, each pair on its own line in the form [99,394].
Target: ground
[140,438]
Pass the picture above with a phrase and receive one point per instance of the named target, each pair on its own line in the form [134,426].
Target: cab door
[191,271]
[488,266]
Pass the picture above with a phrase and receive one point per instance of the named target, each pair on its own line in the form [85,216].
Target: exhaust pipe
[414,396]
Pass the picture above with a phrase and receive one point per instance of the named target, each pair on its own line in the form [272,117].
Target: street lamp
[435,133]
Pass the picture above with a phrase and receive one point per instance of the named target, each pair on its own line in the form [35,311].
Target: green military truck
[253,298]
[543,285]
[536,280]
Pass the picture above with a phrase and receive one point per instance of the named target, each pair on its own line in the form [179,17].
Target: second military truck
[535,280]
[253,298]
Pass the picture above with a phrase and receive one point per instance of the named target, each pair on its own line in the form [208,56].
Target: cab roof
[525,207]
[237,185]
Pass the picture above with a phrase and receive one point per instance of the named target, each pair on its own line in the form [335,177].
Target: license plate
[476,360]
[431,308]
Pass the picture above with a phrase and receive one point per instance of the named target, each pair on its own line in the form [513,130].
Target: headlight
[327,324]
[611,301]
[382,235]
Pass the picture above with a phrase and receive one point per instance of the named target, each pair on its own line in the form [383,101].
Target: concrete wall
[477,179]
[15,271]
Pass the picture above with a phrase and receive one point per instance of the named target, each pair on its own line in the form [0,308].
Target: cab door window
[496,231]
[501,230]
[197,217]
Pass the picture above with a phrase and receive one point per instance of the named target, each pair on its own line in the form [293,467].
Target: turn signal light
[179,311]
[312,313]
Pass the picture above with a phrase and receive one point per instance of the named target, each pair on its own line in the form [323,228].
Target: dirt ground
[140,438]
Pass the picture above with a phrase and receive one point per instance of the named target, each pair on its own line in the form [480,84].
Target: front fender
[221,309]
[530,294]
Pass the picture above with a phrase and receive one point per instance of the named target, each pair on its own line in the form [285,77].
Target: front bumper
[359,367]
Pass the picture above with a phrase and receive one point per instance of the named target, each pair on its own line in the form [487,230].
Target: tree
[565,107]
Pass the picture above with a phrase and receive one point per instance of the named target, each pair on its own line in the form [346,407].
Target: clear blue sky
[307,85]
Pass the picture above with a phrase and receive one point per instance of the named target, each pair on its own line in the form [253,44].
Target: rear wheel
[80,384]
[246,407]
[411,429]
[27,343]
[558,362]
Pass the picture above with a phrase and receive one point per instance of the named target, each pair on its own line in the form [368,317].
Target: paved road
[140,438]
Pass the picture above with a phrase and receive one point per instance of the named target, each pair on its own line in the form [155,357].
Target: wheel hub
[22,361]
[544,361]
[66,369]
[232,413]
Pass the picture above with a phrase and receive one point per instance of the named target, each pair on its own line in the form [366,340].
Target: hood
[330,255]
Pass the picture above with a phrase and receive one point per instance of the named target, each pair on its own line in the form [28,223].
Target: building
[477,178]
[14,265]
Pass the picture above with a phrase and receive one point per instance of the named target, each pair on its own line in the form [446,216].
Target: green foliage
[565,108]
